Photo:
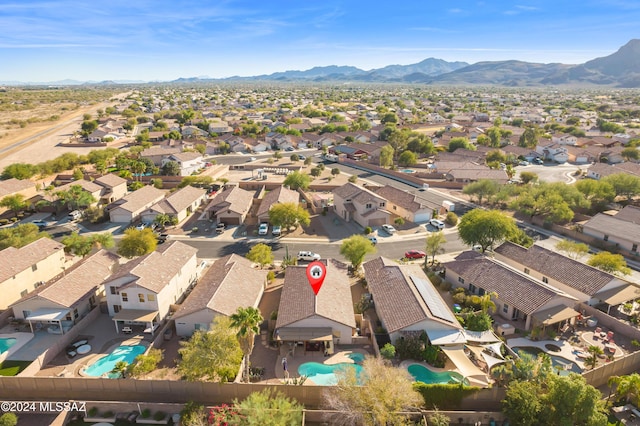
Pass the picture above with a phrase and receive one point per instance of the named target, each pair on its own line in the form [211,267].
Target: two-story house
[114,188]
[142,291]
[230,206]
[130,207]
[189,162]
[358,204]
[411,207]
[553,151]
[179,204]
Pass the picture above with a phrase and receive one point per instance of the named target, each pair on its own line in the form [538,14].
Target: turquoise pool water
[323,374]
[105,364]
[424,375]
[6,343]
[357,357]
[408,171]
[564,365]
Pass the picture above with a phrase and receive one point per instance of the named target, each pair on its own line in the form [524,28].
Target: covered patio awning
[137,315]
[46,314]
[304,334]
[464,365]
[555,315]
[618,295]
[446,337]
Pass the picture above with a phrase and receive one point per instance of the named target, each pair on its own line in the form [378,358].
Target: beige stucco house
[129,208]
[358,204]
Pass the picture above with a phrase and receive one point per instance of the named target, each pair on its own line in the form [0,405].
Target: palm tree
[592,360]
[120,368]
[434,246]
[627,387]
[486,304]
[162,219]
[247,321]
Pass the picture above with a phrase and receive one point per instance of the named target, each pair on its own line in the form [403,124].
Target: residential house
[553,151]
[311,140]
[278,195]
[622,229]
[13,186]
[92,188]
[564,139]
[256,145]
[99,135]
[518,296]
[179,204]
[280,141]
[358,151]
[24,269]
[230,206]
[159,153]
[600,170]
[467,175]
[61,304]
[220,127]
[406,302]
[583,282]
[409,206]
[142,291]
[189,162]
[113,188]
[355,203]
[230,283]
[527,153]
[130,207]
[193,132]
[583,155]
[319,322]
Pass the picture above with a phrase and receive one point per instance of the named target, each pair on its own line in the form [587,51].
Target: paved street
[553,172]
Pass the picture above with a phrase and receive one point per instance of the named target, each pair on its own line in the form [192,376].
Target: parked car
[389,229]
[276,230]
[414,254]
[289,149]
[263,229]
[75,215]
[538,160]
[41,224]
[162,238]
[438,224]
[373,240]
[252,159]
[523,163]
[301,157]
[220,228]
[308,256]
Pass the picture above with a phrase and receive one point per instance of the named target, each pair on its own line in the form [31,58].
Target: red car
[414,254]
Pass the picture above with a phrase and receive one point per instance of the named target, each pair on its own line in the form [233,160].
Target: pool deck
[567,351]
[21,340]
[295,361]
[448,368]
[87,361]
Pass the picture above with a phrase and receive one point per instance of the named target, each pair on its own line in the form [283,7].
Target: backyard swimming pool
[357,357]
[324,374]
[6,343]
[564,366]
[105,364]
[424,375]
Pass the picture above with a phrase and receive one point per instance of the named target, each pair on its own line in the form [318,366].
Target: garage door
[229,220]
[377,222]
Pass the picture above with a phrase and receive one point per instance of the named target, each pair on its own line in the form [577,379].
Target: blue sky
[163,40]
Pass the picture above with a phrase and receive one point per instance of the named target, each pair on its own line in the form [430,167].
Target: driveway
[552,172]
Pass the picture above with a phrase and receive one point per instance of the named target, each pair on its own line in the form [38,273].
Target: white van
[75,215]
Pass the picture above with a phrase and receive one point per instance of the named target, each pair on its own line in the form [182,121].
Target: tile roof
[614,227]
[138,199]
[231,282]
[110,180]
[397,300]
[11,186]
[160,150]
[186,156]
[512,287]
[154,270]
[406,200]
[350,191]
[81,281]
[572,273]
[85,184]
[278,195]
[179,200]
[629,214]
[233,199]
[16,260]
[333,302]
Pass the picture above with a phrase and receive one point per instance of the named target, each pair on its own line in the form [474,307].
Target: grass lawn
[12,368]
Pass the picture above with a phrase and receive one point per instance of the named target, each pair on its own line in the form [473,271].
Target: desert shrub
[388,351]
[271,276]
[445,286]
[451,219]
[459,298]
[443,396]
[368,230]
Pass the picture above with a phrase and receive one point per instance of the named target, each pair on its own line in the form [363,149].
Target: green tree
[482,189]
[522,403]
[193,414]
[269,407]
[592,360]
[247,321]
[162,219]
[389,117]
[529,138]
[485,228]
[609,262]
[545,200]
[335,171]
[386,156]
[316,171]
[598,192]
[81,245]
[308,161]
[460,142]
[521,238]
[120,368]
[438,419]
[297,180]
[78,174]
[375,397]
[294,157]
[213,355]
[145,364]
[407,158]
[388,351]
[137,242]
[528,177]
[88,126]
[355,248]
[261,254]
[624,184]
[630,153]
[76,197]
[572,249]
[170,168]
[20,235]
[627,387]
[19,171]
[287,215]
[8,419]
[435,241]
[15,203]
[495,156]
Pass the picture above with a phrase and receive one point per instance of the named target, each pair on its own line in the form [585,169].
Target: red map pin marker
[316,272]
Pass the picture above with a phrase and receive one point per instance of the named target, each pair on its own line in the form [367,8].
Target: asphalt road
[553,172]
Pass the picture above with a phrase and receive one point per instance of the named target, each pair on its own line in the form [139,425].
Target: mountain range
[620,69]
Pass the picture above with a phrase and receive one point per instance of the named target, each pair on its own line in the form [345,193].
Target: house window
[368,205]
[23,293]
[395,207]
[116,308]
[382,204]
[545,280]
[461,280]
[140,297]
[34,268]
[125,297]
[526,271]
[151,297]
[606,238]
[505,308]
[75,313]
[634,247]
[472,288]
[481,291]
[112,289]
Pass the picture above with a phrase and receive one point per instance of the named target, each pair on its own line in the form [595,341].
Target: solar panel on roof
[433,300]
